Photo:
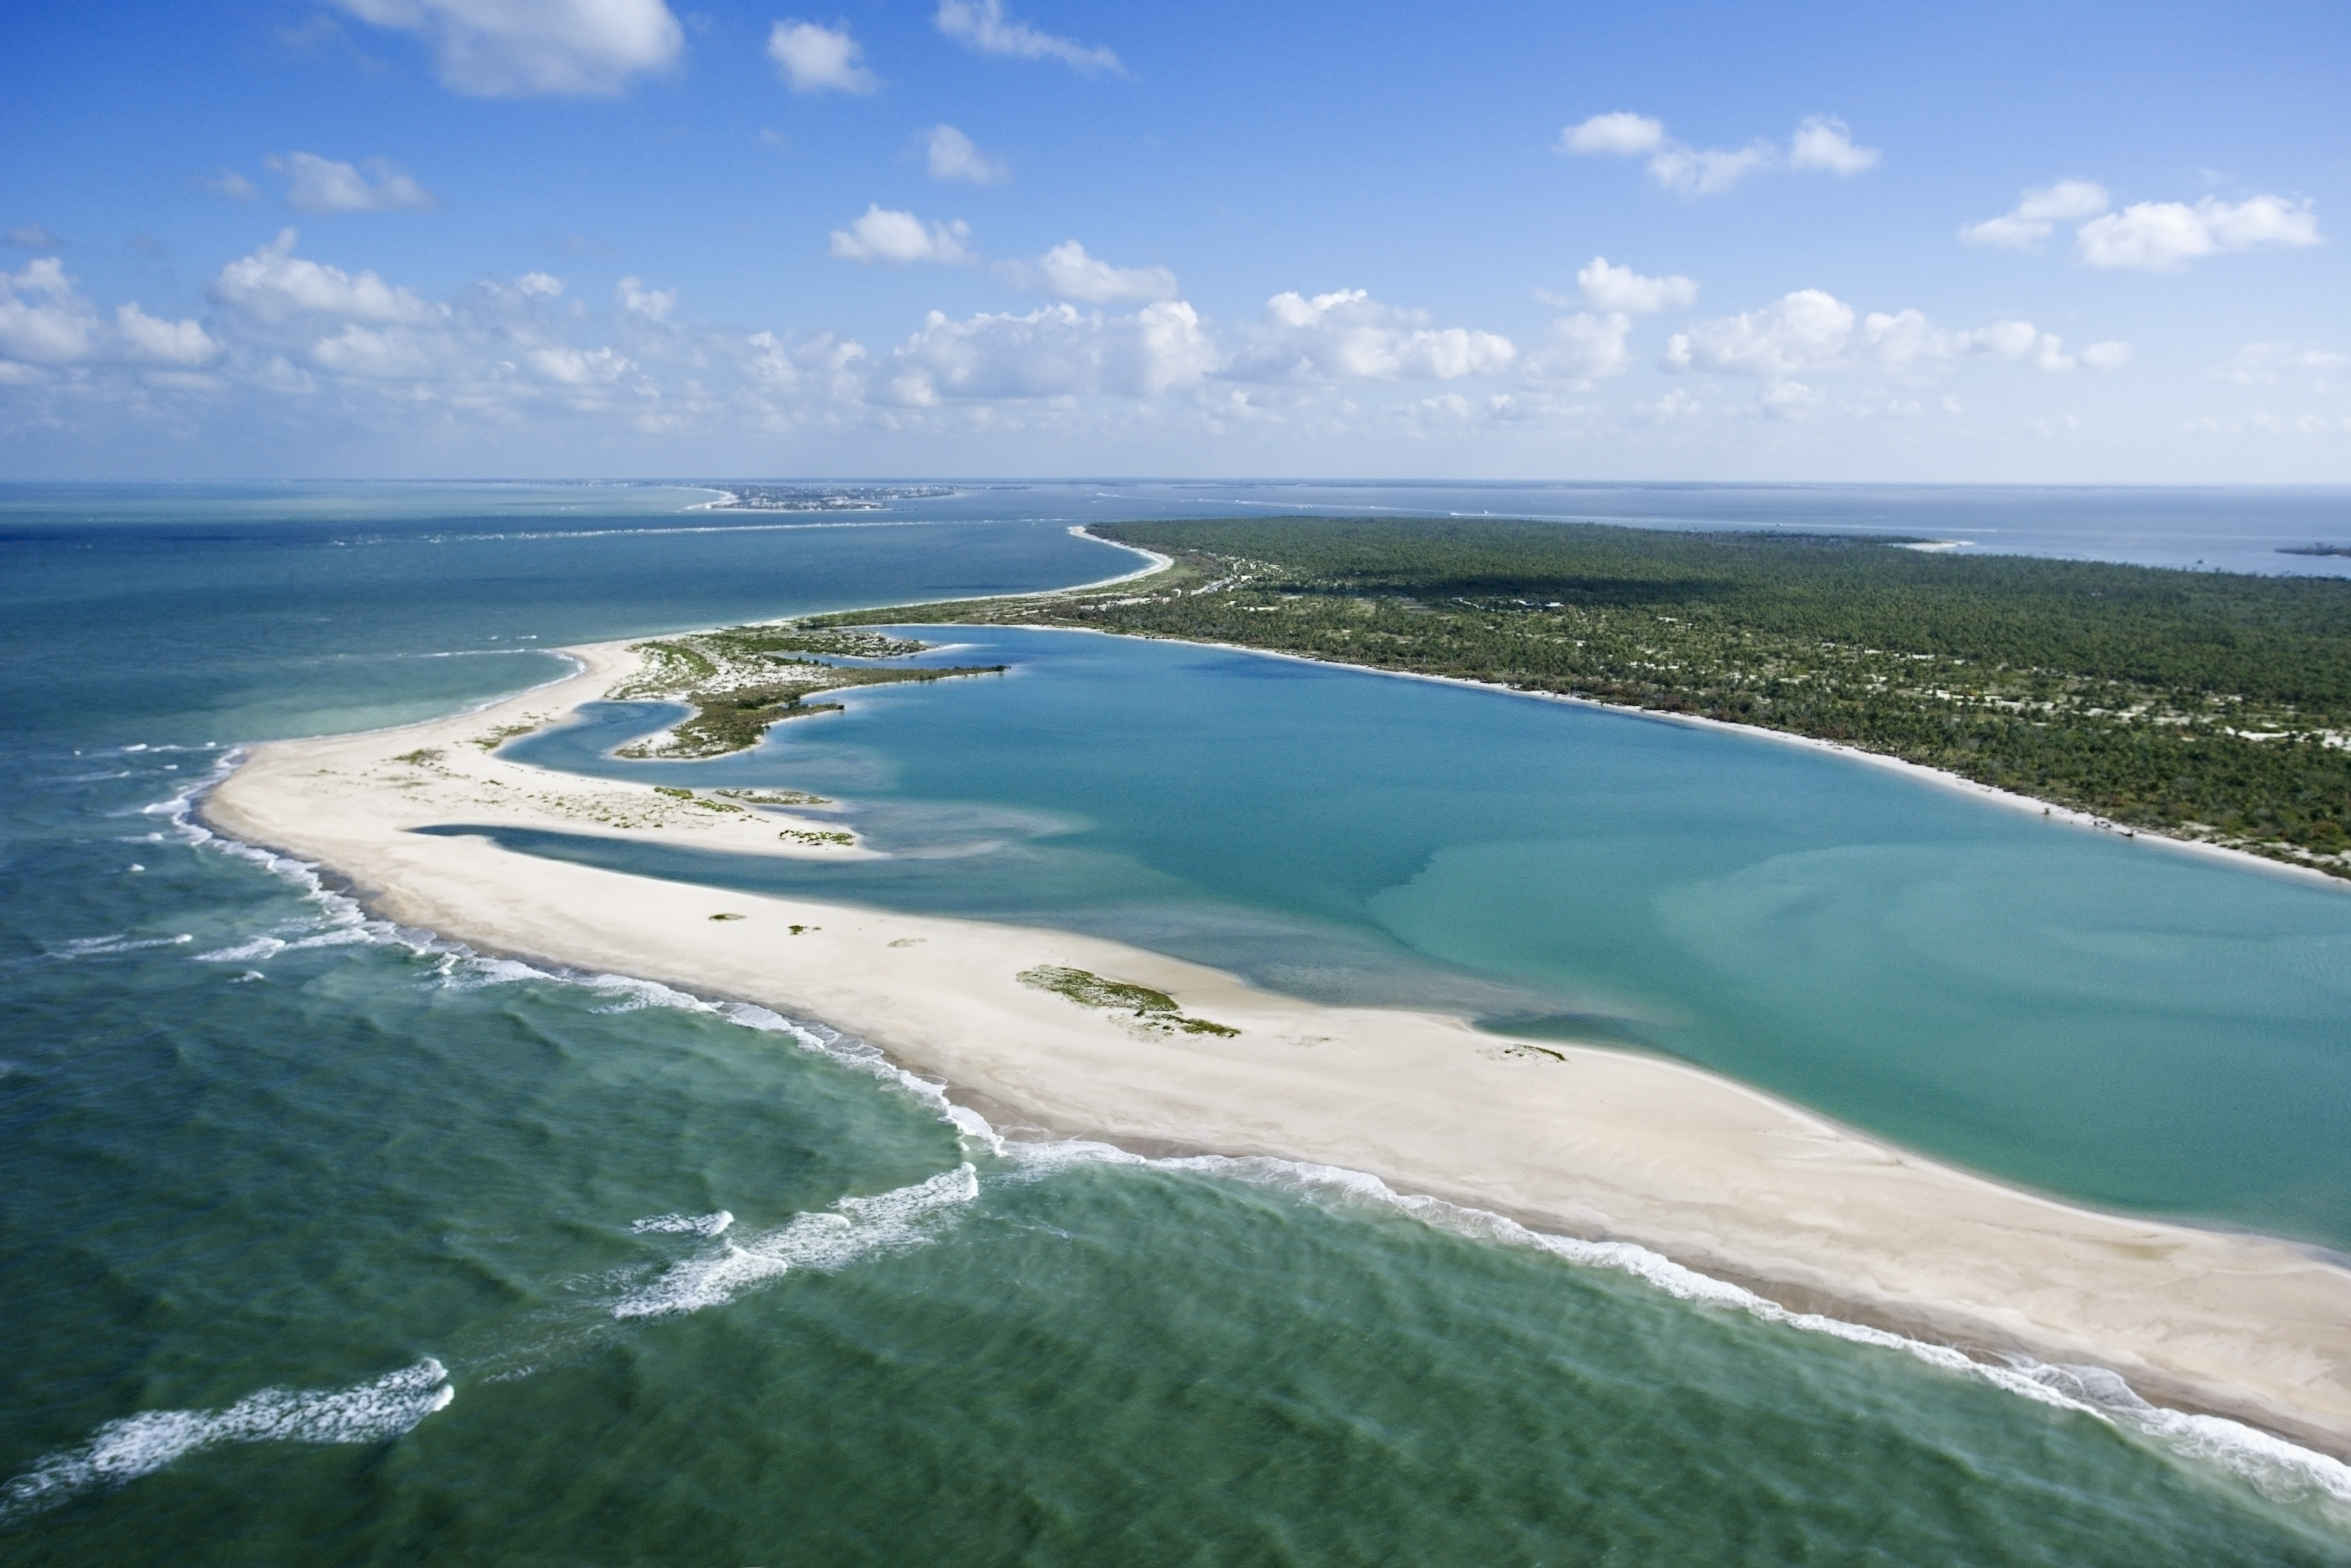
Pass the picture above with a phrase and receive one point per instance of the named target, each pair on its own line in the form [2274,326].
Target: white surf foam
[337,919]
[104,946]
[140,1445]
[852,1230]
[244,952]
[2275,1468]
[681,1224]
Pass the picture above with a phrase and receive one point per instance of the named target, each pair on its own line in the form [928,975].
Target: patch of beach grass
[1152,1009]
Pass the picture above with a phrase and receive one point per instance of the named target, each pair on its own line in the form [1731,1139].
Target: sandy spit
[1579,1140]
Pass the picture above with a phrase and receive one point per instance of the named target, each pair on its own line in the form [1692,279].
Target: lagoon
[2120,1021]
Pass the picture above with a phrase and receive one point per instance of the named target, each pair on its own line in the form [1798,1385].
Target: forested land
[2207,706]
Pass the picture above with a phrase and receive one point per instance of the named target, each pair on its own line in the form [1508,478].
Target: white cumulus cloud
[1676,407]
[580,367]
[1826,142]
[43,319]
[982,26]
[274,284]
[815,58]
[1804,330]
[953,156]
[1058,351]
[1582,348]
[2163,236]
[1621,288]
[383,354]
[316,185]
[654,304]
[373,355]
[1708,172]
[502,48]
[1347,335]
[155,341]
[1067,271]
[883,234]
[2037,213]
[2267,364]
[1821,143]
[1812,330]
[1620,133]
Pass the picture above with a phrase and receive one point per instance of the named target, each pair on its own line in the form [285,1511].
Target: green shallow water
[323,1242]
[409,1156]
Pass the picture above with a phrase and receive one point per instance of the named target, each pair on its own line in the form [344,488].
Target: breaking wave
[140,1445]
[852,1230]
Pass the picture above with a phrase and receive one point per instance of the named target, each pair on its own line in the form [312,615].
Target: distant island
[2207,707]
[2314,549]
[813,498]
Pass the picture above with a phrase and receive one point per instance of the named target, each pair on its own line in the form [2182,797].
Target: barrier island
[2210,706]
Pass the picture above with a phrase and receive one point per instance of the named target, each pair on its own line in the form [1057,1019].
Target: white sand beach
[1584,1140]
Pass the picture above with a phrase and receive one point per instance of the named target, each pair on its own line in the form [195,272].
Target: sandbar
[1578,1140]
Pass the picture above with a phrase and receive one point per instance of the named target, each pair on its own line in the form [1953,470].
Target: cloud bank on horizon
[588,236]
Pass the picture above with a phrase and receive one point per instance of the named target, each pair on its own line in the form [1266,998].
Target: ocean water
[328,1242]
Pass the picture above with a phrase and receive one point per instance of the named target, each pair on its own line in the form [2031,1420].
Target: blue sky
[581,237]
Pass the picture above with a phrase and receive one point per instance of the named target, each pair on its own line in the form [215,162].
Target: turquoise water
[2113,1019]
[325,1242]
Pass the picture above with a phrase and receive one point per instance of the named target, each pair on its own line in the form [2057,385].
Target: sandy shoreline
[1584,1140]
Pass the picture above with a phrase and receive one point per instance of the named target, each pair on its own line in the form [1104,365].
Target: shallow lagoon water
[251,1142]
[2116,1020]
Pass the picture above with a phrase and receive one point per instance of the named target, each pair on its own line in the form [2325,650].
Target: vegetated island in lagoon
[2208,707]
[743,679]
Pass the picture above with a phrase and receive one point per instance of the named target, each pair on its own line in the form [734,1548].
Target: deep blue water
[324,1241]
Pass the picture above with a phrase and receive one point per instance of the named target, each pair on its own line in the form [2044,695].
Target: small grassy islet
[1153,1010]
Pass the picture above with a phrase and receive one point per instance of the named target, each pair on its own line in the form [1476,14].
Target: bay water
[326,1241]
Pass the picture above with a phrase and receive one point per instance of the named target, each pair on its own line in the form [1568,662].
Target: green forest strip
[2204,706]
